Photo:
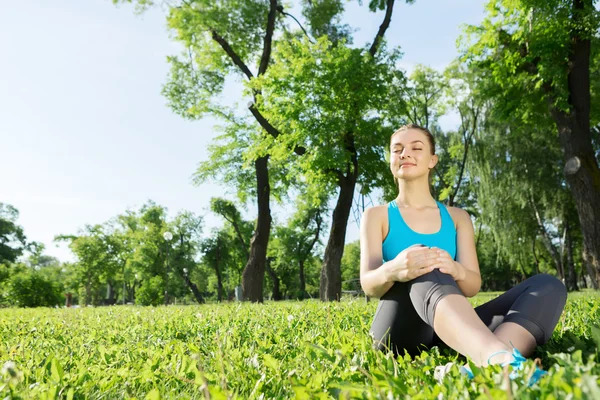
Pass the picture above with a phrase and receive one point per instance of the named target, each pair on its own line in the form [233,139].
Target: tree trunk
[218,271]
[305,255]
[331,276]
[194,289]
[88,290]
[302,281]
[571,281]
[111,293]
[254,272]
[276,284]
[467,138]
[535,259]
[575,137]
[548,242]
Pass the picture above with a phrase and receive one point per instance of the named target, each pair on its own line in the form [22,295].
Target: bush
[30,288]
[151,292]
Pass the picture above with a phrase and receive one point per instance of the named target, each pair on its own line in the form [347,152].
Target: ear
[433,162]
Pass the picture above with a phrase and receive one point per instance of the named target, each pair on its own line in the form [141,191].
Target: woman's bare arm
[375,278]
[466,254]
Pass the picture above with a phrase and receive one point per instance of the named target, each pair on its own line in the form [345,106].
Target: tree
[293,245]
[216,48]
[187,229]
[96,263]
[222,247]
[12,239]
[333,100]
[539,55]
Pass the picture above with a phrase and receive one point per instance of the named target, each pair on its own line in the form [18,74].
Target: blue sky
[85,133]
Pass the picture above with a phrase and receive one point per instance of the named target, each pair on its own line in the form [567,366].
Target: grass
[275,350]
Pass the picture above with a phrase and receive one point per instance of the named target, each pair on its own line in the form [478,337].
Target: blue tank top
[402,236]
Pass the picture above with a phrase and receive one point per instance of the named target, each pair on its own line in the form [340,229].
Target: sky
[85,133]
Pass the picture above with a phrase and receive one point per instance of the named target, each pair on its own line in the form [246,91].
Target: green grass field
[275,350]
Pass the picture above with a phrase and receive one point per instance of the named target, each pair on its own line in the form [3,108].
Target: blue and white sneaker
[517,365]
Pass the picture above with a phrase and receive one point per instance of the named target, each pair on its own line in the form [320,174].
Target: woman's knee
[545,283]
[427,291]
[540,310]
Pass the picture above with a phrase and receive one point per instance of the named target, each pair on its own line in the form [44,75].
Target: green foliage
[328,99]
[152,292]
[351,261]
[424,94]
[32,288]
[115,256]
[12,238]
[295,245]
[271,351]
[323,17]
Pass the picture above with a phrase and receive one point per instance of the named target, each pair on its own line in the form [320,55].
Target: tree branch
[467,138]
[271,130]
[266,55]
[318,221]
[546,236]
[382,28]
[280,9]
[443,182]
[244,68]
[232,54]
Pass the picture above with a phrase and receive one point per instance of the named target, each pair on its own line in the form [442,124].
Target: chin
[410,176]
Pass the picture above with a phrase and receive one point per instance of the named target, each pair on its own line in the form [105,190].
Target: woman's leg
[440,303]
[405,319]
[397,326]
[407,313]
[457,325]
[526,315]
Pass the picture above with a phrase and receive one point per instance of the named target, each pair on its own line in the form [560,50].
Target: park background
[137,140]
[107,141]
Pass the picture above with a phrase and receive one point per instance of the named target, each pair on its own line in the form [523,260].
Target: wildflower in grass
[254,362]
[290,318]
[14,376]
[9,367]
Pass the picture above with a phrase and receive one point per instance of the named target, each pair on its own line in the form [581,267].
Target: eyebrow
[400,144]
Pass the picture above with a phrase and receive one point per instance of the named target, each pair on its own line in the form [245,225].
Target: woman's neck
[414,194]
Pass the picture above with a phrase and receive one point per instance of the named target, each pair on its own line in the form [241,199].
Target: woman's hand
[444,263]
[413,262]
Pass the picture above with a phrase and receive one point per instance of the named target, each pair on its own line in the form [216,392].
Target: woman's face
[410,155]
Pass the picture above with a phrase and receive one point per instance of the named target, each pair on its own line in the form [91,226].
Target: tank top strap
[394,217]
[447,222]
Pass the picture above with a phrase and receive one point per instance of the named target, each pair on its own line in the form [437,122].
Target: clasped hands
[419,260]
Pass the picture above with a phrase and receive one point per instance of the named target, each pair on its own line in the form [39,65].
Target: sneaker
[517,365]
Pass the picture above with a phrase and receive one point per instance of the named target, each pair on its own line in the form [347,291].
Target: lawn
[274,350]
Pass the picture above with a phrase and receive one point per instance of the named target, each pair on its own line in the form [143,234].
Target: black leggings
[404,317]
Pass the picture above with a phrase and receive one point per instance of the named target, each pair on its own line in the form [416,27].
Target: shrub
[30,288]
[151,292]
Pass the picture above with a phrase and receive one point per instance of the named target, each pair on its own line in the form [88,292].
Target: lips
[407,165]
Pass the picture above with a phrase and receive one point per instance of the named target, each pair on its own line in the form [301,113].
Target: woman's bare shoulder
[378,215]
[377,211]
[458,215]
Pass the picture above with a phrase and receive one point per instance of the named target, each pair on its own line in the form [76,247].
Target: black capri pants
[404,317]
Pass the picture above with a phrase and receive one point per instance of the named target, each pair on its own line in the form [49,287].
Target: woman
[419,258]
